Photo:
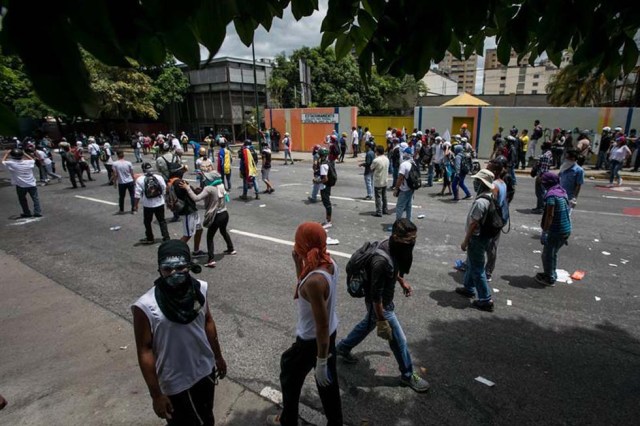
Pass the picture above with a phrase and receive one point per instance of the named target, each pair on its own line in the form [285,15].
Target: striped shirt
[545,161]
[561,223]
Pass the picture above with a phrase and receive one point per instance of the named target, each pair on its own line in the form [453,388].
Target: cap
[146,166]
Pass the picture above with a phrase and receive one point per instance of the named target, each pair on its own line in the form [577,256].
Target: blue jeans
[539,194]
[475,277]
[512,173]
[404,204]
[136,152]
[395,172]
[245,185]
[398,345]
[315,188]
[602,160]
[287,154]
[430,175]
[459,180]
[22,198]
[550,253]
[368,182]
[616,166]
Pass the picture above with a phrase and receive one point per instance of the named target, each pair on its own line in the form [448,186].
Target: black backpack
[173,166]
[413,178]
[332,176]
[358,280]
[152,188]
[70,158]
[493,222]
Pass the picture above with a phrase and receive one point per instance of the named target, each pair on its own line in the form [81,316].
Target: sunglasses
[169,269]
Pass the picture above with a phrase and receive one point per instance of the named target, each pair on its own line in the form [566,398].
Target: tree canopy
[399,37]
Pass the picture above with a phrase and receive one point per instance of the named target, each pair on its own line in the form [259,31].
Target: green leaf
[504,51]
[300,8]
[629,55]
[327,39]
[343,46]
[358,38]
[8,122]
[245,28]
[183,44]
[454,46]
[374,7]
[152,51]
[210,27]
[366,23]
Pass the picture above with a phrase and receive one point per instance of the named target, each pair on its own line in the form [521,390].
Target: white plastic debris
[495,290]
[563,276]
[536,266]
[421,216]
[123,348]
[537,251]
[115,228]
[509,303]
[597,298]
[624,261]
[596,240]
[263,205]
[606,253]
[332,241]
[485,381]
[613,264]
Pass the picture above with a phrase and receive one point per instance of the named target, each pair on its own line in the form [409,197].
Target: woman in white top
[617,156]
[315,345]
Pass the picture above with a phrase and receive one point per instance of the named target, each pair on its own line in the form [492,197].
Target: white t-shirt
[620,153]
[387,134]
[367,136]
[124,169]
[94,149]
[324,171]
[405,168]
[354,137]
[21,172]
[150,202]
[43,157]
[175,143]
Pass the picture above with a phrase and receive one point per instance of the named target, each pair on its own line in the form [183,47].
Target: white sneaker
[619,181]
[327,225]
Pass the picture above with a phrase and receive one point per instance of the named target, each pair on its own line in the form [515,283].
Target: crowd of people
[176,337]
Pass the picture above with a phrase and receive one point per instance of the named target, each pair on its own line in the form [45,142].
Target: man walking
[543,166]
[287,148]
[388,265]
[380,168]
[355,140]
[151,188]
[177,341]
[94,152]
[325,185]
[21,165]
[123,175]
[248,169]
[571,177]
[70,161]
[403,191]
[368,174]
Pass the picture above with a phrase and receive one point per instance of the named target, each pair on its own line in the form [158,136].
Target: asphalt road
[563,355]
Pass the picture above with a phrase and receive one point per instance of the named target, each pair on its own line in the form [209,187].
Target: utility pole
[255,89]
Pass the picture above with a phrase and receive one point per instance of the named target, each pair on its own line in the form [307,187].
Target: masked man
[177,340]
[389,264]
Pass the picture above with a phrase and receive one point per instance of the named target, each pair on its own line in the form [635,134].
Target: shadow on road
[522,281]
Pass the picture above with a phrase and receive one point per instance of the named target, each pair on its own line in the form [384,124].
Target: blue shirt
[570,178]
[561,223]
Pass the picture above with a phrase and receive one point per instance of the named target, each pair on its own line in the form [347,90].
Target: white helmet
[463,140]
[439,138]
[606,129]
[618,129]
[78,143]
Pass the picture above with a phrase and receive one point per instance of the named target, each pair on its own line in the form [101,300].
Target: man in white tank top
[177,342]
[315,346]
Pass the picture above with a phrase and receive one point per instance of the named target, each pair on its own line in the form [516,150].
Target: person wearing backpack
[106,156]
[327,179]
[94,152]
[500,193]
[556,227]
[462,162]
[224,164]
[151,187]
[368,174]
[406,183]
[476,241]
[71,164]
[387,265]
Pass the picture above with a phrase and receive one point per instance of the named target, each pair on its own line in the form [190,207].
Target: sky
[287,35]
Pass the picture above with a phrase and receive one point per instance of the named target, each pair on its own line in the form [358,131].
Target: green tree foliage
[390,34]
[337,82]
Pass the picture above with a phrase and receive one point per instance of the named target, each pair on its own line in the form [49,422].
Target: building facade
[439,84]
[463,72]
[517,77]
[222,99]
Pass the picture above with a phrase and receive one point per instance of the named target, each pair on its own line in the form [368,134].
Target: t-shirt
[324,171]
[43,157]
[405,168]
[525,142]
[383,277]
[354,137]
[94,149]
[124,169]
[570,178]
[605,143]
[175,143]
[266,158]
[21,172]
[150,202]
[620,153]
[561,223]
[477,213]
[368,159]
[380,167]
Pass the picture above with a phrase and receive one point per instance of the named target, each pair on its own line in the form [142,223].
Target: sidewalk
[67,361]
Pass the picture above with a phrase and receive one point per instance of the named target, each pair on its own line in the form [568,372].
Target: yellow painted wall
[378,125]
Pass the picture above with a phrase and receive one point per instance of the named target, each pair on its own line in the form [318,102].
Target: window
[502,85]
[535,84]
[536,76]
[534,92]
[503,78]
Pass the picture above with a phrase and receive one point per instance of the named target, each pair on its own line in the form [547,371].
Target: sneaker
[346,355]
[483,306]
[165,239]
[462,291]
[466,197]
[198,253]
[37,215]
[415,382]
[257,197]
[273,420]
[211,264]
[489,279]
[544,280]
[326,225]
[230,252]
[24,216]
[312,200]
[146,241]
[376,214]
[619,181]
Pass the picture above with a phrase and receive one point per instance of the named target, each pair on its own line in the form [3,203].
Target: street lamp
[255,88]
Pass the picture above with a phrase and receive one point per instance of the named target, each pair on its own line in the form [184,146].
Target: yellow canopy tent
[465,99]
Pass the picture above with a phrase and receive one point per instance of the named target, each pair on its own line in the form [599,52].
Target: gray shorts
[265,174]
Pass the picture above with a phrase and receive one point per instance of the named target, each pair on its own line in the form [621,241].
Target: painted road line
[111,203]
[621,198]
[284,185]
[24,221]
[366,201]
[284,242]
[604,213]
[308,414]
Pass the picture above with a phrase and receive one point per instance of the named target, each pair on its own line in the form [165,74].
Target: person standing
[343,146]
[177,341]
[556,227]
[543,166]
[224,164]
[123,175]
[461,166]
[287,148]
[46,166]
[151,187]
[390,263]
[94,152]
[266,168]
[524,148]
[497,166]
[83,166]
[20,166]
[603,149]
[403,191]
[106,156]
[138,141]
[316,297]
[325,186]
[571,177]
[536,134]
[248,169]
[498,143]
[475,243]
[618,155]
[379,168]
[368,174]
[70,161]
[355,140]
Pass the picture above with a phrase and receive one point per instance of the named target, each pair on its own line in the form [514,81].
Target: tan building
[516,78]
[461,71]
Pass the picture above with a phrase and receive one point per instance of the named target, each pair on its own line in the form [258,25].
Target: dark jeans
[539,195]
[149,212]
[109,171]
[616,166]
[343,151]
[295,363]
[74,172]
[325,196]
[381,199]
[194,406]
[475,278]
[246,184]
[95,162]
[636,164]
[227,179]
[122,190]
[522,161]
[602,162]
[492,254]
[550,254]
[219,222]
[22,198]
[83,166]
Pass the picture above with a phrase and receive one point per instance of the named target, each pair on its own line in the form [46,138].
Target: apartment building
[517,77]
[461,71]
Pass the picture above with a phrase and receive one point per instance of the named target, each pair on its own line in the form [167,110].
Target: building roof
[465,99]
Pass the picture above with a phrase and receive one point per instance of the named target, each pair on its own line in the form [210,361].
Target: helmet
[439,138]
[78,143]
[166,146]
[287,134]
[618,129]
[334,138]
[202,151]
[464,125]
[606,129]
[463,140]
[315,149]
[323,152]
[247,142]
[501,160]
[344,134]
[16,153]
[511,138]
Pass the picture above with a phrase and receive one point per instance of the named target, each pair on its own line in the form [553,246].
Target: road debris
[124,348]
[578,275]
[537,251]
[597,298]
[485,381]
[613,264]
[509,303]
[421,216]
[263,205]
[332,241]
[115,228]
[606,253]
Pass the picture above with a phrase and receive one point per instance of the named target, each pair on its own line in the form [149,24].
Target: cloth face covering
[402,251]
[311,248]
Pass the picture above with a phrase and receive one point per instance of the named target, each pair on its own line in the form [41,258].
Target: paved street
[563,355]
